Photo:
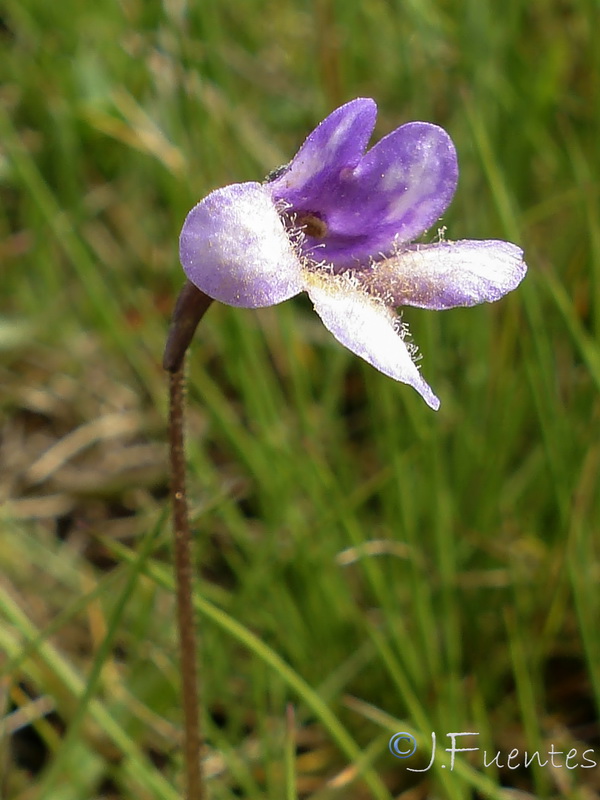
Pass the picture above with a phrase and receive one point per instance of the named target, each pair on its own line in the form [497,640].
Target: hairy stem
[184,578]
[189,310]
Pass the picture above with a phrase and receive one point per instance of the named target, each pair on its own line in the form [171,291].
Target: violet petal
[408,180]
[366,327]
[338,142]
[390,196]
[447,274]
[234,248]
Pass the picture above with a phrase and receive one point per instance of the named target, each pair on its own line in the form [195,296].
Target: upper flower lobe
[369,204]
[338,222]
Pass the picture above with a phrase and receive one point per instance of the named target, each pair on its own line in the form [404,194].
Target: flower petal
[337,142]
[366,327]
[408,180]
[369,205]
[447,274]
[234,248]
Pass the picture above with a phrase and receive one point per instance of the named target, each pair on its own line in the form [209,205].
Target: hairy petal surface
[447,274]
[367,328]
[235,248]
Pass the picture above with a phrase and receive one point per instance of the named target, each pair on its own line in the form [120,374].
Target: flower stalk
[191,306]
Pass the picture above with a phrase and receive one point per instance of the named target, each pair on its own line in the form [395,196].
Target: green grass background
[368,566]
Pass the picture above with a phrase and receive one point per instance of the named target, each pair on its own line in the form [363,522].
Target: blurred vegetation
[373,565]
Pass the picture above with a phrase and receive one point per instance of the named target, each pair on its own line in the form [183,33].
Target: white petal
[367,328]
[447,274]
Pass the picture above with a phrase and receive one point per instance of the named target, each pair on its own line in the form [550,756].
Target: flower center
[311,224]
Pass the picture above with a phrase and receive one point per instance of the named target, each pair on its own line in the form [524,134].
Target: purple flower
[338,223]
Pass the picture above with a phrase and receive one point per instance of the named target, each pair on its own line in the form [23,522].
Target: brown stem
[189,310]
[191,306]
[184,580]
